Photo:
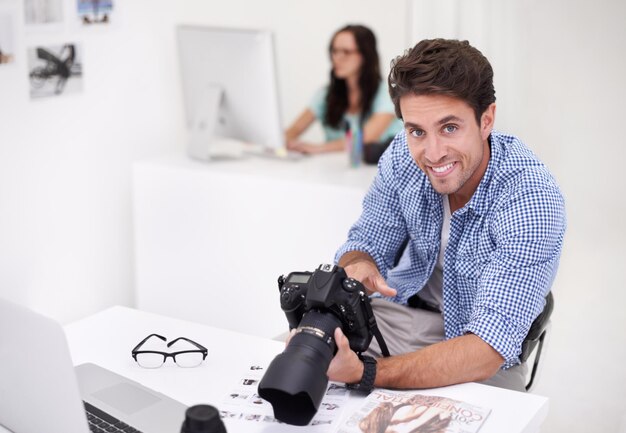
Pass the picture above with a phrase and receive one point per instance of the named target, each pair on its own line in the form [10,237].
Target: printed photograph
[42,12]
[336,389]
[271,419]
[7,54]
[329,406]
[93,12]
[55,70]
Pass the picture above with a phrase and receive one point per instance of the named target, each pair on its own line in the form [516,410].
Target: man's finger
[381,286]
[342,341]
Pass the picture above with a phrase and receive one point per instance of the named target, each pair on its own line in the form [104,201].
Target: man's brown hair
[444,67]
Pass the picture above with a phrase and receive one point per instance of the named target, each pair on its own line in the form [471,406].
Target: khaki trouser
[407,329]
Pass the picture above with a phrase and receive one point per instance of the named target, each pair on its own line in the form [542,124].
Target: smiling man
[460,236]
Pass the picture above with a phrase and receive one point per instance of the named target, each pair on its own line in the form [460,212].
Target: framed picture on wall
[43,13]
[95,13]
[55,70]
[7,37]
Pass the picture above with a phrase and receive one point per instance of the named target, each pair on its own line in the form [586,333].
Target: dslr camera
[315,303]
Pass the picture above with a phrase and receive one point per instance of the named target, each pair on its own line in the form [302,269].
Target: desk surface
[107,338]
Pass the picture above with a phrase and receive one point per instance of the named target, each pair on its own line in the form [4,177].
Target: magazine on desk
[410,412]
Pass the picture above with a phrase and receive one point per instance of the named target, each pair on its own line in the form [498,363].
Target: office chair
[535,338]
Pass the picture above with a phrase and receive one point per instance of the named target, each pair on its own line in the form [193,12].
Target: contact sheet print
[244,405]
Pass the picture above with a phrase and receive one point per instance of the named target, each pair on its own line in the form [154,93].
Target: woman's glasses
[342,52]
[182,358]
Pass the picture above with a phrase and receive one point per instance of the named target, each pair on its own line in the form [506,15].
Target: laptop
[41,391]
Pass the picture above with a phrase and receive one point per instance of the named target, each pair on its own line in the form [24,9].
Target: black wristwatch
[369,375]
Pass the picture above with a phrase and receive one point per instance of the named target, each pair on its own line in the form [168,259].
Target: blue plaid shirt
[504,246]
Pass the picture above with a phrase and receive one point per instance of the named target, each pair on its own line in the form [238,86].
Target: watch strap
[369,375]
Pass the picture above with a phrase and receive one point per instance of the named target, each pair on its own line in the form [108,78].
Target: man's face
[446,142]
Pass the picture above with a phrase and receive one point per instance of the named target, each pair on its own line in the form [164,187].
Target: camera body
[329,290]
[315,303]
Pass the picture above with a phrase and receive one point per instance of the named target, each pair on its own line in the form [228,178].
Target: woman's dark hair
[369,79]
[445,67]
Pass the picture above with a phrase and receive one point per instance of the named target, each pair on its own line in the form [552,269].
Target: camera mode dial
[350,284]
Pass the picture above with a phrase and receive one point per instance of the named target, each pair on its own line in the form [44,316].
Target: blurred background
[66,231]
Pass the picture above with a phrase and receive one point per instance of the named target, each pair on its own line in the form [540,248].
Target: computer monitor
[230,91]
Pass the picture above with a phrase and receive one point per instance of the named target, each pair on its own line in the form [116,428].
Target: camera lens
[295,381]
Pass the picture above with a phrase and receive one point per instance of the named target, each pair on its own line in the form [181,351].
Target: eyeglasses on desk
[182,358]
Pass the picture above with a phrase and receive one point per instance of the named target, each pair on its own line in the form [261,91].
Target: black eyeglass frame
[201,349]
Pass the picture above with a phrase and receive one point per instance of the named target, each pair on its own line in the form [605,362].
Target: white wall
[65,232]
[65,222]
[575,108]
[65,162]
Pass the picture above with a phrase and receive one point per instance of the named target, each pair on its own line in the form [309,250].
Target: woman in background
[356,97]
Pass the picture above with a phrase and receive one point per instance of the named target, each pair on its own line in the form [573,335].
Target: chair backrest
[535,338]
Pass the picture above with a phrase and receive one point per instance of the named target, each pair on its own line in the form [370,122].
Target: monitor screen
[230,89]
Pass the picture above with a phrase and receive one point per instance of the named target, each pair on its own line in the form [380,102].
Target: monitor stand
[204,143]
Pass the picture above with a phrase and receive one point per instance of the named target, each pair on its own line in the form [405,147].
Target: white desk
[211,238]
[108,337]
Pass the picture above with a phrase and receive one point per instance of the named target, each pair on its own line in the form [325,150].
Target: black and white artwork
[7,38]
[95,12]
[43,12]
[55,70]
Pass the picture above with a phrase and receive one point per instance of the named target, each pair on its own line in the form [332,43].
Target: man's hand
[346,366]
[361,267]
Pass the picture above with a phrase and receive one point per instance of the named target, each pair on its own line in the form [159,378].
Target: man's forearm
[458,360]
